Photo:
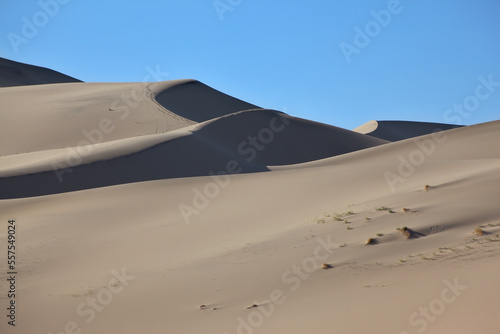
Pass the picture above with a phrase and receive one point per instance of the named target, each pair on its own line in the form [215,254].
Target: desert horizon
[172,207]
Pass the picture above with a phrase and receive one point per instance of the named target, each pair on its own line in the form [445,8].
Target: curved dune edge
[42,161]
[128,110]
[198,102]
[91,112]
[243,142]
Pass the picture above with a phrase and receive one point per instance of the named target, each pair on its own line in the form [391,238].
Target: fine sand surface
[162,240]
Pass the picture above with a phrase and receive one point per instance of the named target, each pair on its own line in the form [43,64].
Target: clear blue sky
[419,62]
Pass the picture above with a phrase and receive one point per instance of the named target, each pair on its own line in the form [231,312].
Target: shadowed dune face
[198,102]
[268,137]
[401,130]
[18,74]
[244,142]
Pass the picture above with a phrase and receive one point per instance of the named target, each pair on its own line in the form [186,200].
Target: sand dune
[476,142]
[138,237]
[399,130]
[45,117]
[102,112]
[236,250]
[243,142]
[18,74]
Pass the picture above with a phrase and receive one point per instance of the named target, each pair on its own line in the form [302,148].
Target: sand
[139,237]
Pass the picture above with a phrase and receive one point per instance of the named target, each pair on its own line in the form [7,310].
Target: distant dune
[400,130]
[18,74]
[126,219]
